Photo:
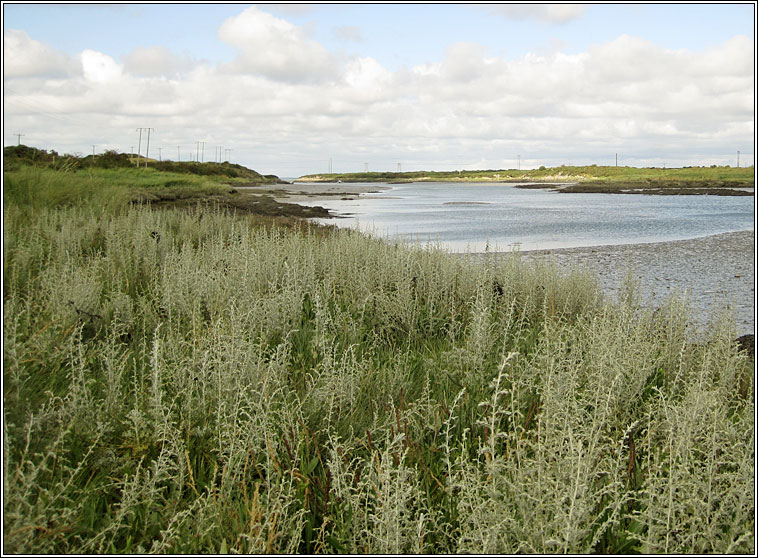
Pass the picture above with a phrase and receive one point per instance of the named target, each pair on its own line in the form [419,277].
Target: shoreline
[712,272]
[566,184]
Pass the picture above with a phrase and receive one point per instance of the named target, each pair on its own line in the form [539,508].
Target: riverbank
[650,188]
[711,272]
[307,191]
[188,381]
[711,180]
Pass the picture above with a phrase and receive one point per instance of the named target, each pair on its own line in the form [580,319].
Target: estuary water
[465,217]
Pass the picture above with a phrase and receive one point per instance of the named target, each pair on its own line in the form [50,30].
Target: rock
[746,343]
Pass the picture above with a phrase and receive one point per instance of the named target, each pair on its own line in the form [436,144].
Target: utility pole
[738,158]
[93,150]
[19,137]
[199,154]
[159,153]
[330,165]
[139,144]
[617,159]
[227,154]
[399,167]
[519,161]
[147,153]
[365,167]
[178,153]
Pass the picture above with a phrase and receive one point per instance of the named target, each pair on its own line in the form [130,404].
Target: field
[200,378]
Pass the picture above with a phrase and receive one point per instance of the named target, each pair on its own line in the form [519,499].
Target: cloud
[155,61]
[99,67]
[25,57]
[274,48]
[548,13]
[348,33]
[286,101]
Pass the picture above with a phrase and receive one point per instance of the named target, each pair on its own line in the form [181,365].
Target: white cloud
[155,61]
[25,57]
[271,104]
[274,48]
[549,13]
[366,74]
[99,67]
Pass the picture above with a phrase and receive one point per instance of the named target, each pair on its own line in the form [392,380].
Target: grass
[114,188]
[590,178]
[198,381]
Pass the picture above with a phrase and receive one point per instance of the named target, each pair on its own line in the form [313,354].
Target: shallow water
[464,217]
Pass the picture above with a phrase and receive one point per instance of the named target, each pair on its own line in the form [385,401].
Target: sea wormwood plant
[187,382]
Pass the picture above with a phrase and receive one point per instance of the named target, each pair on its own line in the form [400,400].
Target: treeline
[18,156]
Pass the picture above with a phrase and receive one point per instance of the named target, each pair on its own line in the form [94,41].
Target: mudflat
[712,272]
[302,191]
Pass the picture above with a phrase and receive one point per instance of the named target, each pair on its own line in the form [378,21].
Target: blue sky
[433,85]
[394,34]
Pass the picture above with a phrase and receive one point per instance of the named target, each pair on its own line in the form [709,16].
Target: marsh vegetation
[713,180]
[199,380]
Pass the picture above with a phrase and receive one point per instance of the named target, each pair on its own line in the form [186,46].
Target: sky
[295,89]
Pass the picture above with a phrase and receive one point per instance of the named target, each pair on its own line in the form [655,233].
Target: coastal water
[464,217]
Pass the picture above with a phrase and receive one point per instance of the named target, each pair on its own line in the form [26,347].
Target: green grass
[200,382]
[725,176]
[114,189]
[21,156]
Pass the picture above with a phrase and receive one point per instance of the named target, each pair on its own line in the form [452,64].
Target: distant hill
[21,155]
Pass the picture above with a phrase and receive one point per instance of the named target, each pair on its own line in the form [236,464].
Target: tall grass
[185,382]
[108,189]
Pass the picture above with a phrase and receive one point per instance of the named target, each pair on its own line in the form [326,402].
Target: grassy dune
[198,381]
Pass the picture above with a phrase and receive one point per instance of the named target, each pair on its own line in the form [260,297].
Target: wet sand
[711,272]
